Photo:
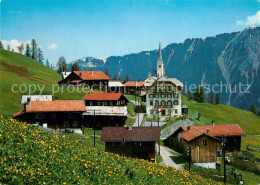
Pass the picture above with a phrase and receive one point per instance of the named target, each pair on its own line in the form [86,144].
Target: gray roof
[36,98]
[173,80]
[115,84]
[185,107]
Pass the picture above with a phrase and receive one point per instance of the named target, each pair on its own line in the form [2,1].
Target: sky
[103,28]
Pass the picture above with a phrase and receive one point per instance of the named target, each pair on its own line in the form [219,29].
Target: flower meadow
[29,155]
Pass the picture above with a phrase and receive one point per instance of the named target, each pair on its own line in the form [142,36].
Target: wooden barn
[136,142]
[56,113]
[133,87]
[105,109]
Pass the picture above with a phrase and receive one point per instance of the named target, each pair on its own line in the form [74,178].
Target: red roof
[134,84]
[76,81]
[92,75]
[18,113]
[219,130]
[102,96]
[57,106]
[194,133]
[116,134]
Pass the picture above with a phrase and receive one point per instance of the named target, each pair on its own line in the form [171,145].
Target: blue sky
[102,28]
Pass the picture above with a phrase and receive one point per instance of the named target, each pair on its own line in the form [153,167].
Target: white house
[164,92]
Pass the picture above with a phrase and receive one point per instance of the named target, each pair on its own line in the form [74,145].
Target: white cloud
[14,44]
[53,46]
[253,20]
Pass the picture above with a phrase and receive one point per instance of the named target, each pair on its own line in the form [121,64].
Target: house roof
[193,133]
[36,98]
[134,84]
[18,113]
[115,84]
[219,130]
[76,81]
[173,80]
[185,107]
[116,134]
[92,75]
[65,74]
[56,106]
[102,96]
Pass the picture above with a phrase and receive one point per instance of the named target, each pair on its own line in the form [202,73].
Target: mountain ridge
[226,58]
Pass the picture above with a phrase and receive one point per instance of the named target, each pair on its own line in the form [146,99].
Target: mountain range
[228,60]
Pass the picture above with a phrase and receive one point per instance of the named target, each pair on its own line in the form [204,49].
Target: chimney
[130,126]
[28,101]
[188,128]
[207,130]
[91,73]
[79,74]
[213,122]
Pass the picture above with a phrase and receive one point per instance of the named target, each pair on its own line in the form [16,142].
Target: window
[176,111]
[196,143]
[176,95]
[169,88]
[91,103]
[169,102]
[169,95]
[53,115]
[162,95]
[106,103]
[156,103]
[98,103]
[175,102]
[157,88]
[150,95]
[163,103]
[156,95]
[159,66]
[204,142]
[39,116]
[111,103]
[151,111]
[151,102]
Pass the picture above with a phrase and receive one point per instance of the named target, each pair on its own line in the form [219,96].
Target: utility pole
[138,112]
[159,127]
[94,128]
[189,150]
[223,145]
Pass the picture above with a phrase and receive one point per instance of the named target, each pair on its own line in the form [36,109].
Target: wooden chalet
[56,113]
[136,142]
[206,140]
[133,87]
[105,109]
[93,79]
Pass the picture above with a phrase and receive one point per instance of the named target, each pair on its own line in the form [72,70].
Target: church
[163,93]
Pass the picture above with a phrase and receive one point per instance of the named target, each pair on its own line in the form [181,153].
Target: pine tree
[115,77]
[107,72]
[62,65]
[47,63]
[8,47]
[190,95]
[217,99]
[27,50]
[34,49]
[253,108]
[21,48]
[75,66]
[211,98]
[127,78]
[1,45]
[199,95]
[39,56]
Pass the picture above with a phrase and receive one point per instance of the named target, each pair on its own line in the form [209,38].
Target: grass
[25,72]
[133,97]
[131,109]
[129,120]
[253,141]
[158,159]
[30,155]
[223,114]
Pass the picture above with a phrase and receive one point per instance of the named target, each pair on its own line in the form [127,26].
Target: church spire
[159,54]
[160,66]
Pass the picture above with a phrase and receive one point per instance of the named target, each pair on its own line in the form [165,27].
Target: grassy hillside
[48,158]
[18,69]
[223,114]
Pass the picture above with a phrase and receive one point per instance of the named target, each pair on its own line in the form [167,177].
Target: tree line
[30,50]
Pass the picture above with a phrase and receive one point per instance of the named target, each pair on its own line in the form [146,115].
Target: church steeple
[160,65]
